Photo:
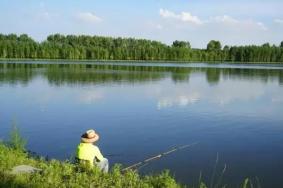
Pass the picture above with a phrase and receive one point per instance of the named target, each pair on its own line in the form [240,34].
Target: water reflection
[91,96]
[184,94]
[58,74]
[222,94]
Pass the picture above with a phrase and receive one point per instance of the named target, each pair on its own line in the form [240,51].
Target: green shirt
[89,152]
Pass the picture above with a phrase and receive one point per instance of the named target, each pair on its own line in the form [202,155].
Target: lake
[234,112]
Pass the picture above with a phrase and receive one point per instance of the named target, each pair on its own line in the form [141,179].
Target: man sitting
[88,152]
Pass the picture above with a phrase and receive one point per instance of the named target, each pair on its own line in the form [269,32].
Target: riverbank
[65,174]
[55,173]
[133,61]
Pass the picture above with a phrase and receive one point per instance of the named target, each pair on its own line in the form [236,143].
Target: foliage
[181,44]
[16,141]
[214,46]
[59,46]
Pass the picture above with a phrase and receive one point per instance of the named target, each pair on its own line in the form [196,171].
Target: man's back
[86,151]
[89,152]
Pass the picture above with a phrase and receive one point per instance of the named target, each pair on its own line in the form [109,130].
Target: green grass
[64,174]
[57,173]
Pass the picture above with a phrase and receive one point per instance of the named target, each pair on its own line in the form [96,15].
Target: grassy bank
[57,173]
[64,174]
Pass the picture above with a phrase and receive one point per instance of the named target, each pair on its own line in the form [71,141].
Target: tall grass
[16,141]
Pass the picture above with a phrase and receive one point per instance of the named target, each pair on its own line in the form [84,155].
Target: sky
[233,22]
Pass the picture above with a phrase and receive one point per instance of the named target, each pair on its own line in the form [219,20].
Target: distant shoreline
[140,61]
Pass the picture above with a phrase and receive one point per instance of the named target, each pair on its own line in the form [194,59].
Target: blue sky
[198,21]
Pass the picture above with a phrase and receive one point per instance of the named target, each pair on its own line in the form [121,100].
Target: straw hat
[89,136]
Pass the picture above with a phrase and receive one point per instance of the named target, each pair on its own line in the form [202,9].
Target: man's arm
[98,154]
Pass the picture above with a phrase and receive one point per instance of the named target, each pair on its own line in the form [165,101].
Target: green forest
[84,47]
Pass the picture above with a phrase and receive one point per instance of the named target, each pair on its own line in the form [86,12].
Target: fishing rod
[146,161]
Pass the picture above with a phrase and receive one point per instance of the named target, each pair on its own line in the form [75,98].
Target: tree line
[85,47]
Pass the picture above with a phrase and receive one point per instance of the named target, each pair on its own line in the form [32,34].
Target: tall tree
[181,44]
[214,45]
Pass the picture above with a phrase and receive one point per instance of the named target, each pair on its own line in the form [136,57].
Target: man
[88,152]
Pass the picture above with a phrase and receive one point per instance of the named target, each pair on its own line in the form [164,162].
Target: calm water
[233,111]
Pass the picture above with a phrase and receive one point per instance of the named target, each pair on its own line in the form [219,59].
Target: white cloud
[278,21]
[183,16]
[187,17]
[229,29]
[224,20]
[88,17]
[243,24]
[167,14]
